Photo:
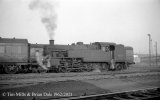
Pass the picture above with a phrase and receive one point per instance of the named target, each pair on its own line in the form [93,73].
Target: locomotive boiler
[17,55]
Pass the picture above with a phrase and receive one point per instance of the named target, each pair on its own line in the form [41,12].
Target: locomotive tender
[17,55]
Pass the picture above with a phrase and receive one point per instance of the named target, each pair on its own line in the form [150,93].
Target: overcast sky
[121,21]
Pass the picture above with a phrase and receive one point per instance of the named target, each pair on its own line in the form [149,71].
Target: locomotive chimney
[51,42]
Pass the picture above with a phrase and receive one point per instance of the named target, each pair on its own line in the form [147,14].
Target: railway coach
[17,55]
[13,54]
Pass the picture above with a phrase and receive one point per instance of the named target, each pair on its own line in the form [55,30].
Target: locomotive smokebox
[51,42]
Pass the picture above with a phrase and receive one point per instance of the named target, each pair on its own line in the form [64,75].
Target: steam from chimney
[48,14]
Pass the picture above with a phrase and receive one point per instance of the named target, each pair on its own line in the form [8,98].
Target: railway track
[135,86]
[141,94]
[54,75]
[20,81]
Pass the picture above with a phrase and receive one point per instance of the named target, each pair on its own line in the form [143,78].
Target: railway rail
[141,94]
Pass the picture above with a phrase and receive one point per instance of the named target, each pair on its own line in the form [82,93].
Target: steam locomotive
[17,55]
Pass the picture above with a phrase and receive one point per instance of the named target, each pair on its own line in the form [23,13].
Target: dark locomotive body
[18,55]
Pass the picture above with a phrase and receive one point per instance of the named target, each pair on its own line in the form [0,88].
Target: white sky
[121,21]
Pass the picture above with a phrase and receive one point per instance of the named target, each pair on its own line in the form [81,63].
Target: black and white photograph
[79,49]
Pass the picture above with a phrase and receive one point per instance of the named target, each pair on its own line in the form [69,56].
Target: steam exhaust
[44,62]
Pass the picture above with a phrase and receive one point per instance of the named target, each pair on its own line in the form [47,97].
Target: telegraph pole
[156,54]
[149,50]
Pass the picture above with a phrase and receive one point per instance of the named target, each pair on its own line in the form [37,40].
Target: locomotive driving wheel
[63,70]
[119,66]
[11,69]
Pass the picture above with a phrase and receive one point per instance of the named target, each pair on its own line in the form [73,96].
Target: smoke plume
[48,14]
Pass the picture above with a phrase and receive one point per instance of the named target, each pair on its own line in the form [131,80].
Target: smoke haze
[48,15]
